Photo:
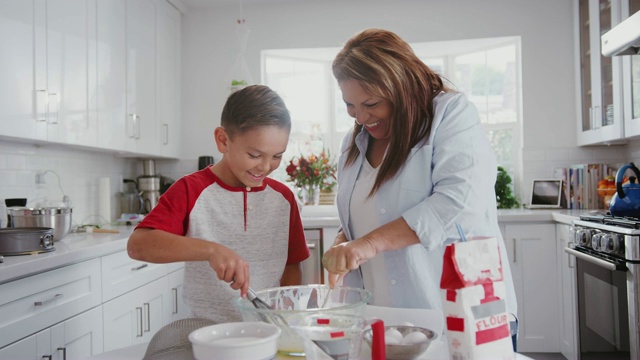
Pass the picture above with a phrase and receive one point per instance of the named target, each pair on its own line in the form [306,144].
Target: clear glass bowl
[289,301]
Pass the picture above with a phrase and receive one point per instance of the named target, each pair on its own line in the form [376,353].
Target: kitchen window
[486,70]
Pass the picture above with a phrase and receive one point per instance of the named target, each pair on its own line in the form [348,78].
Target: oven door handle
[594,260]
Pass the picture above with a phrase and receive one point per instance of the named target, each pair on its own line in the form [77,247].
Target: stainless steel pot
[28,240]
[58,218]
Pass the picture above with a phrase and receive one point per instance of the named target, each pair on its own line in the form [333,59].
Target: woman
[415,163]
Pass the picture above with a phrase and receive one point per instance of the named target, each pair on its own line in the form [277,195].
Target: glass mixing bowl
[289,301]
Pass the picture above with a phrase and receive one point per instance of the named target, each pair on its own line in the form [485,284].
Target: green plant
[504,195]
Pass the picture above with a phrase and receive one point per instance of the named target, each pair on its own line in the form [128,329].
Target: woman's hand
[345,256]
[230,267]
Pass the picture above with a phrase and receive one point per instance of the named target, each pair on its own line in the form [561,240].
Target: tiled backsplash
[79,171]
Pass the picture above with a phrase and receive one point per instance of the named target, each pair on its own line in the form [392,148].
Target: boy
[230,217]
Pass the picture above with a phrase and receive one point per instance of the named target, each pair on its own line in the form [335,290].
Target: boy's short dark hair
[253,106]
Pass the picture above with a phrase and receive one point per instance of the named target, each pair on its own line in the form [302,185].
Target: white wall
[548,68]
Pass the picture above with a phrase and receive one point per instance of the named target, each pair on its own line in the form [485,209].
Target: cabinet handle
[139,322]
[64,352]
[133,127]
[311,245]
[514,250]
[137,136]
[175,300]
[166,134]
[148,322]
[41,105]
[52,108]
[48,301]
[139,267]
[571,263]
[597,116]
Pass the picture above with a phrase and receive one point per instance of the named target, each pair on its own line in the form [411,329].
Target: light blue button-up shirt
[449,178]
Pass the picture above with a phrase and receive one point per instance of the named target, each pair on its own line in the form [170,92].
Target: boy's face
[249,157]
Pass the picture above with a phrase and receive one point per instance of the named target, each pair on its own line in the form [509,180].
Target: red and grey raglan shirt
[261,224]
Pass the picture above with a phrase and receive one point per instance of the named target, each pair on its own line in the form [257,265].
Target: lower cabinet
[532,248]
[567,300]
[177,308]
[136,316]
[79,337]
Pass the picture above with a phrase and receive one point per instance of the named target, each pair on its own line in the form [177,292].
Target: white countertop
[77,247]
[73,248]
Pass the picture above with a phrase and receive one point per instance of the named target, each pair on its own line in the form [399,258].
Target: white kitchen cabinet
[33,303]
[177,307]
[600,77]
[79,337]
[121,274]
[567,291]
[531,248]
[136,316]
[44,93]
[168,78]
[17,97]
[141,77]
[631,80]
[112,75]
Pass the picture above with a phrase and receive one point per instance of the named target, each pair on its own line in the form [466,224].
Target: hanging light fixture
[240,76]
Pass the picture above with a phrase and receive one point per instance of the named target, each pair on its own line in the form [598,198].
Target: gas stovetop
[608,219]
[608,236]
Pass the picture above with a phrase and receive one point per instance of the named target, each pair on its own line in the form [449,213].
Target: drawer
[33,303]
[171,267]
[121,274]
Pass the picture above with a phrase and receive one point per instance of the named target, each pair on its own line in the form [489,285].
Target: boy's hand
[230,267]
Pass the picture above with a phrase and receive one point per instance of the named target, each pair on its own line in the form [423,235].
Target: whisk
[269,316]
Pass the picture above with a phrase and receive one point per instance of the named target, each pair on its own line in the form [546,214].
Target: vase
[310,194]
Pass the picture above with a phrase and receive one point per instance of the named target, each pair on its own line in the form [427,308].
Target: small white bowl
[237,340]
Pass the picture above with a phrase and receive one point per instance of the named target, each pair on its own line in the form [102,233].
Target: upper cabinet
[168,79]
[631,82]
[603,118]
[103,74]
[45,93]
[600,81]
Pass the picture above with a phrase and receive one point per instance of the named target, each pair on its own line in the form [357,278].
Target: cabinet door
[177,308]
[141,75]
[631,80]
[18,97]
[67,72]
[532,250]
[136,316]
[168,78]
[112,75]
[567,290]
[34,347]
[79,337]
[601,110]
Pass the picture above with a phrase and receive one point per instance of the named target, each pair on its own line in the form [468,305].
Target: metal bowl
[404,351]
[57,218]
[289,301]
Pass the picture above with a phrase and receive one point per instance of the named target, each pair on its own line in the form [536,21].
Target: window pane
[489,80]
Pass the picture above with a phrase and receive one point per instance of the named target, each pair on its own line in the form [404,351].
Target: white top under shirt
[364,220]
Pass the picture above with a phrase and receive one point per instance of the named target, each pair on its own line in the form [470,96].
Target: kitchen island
[89,284]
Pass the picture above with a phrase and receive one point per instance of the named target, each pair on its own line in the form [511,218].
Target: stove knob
[612,243]
[573,234]
[583,237]
[596,240]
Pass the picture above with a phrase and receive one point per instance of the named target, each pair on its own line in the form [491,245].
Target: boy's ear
[222,139]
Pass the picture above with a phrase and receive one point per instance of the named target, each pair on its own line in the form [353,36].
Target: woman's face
[371,111]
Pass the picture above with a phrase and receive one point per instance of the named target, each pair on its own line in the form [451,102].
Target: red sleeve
[171,214]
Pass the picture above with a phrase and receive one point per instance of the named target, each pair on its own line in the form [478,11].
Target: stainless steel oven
[607,252]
